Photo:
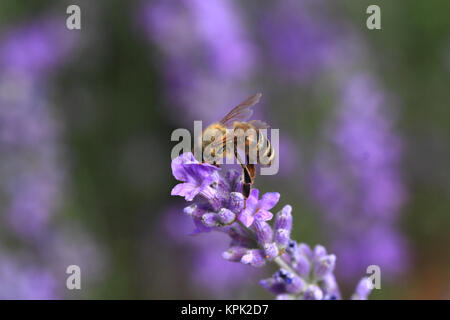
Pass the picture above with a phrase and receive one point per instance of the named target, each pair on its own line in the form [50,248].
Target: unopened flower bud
[263,232]
[234,254]
[330,288]
[324,266]
[319,252]
[210,220]
[283,220]
[236,202]
[282,237]
[283,276]
[273,286]
[271,251]
[193,211]
[226,216]
[292,283]
[302,265]
[305,250]
[292,249]
[254,258]
[296,286]
[313,292]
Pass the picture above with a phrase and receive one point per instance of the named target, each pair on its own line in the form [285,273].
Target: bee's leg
[251,169]
[249,175]
[248,182]
[246,186]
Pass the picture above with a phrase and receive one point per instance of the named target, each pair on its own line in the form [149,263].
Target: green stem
[282,264]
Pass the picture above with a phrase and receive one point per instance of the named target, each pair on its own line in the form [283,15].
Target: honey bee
[233,132]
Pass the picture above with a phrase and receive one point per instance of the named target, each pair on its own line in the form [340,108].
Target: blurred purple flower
[207,56]
[289,158]
[299,43]
[71,244]
[209,32]
[35,49]
[34,197]
[24,119]
[31,172]
[30,168]
[380,245]
[22,280]
[359,186]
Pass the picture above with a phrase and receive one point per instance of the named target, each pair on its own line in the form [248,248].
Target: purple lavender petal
[252,200]
[246,218]
[263,215]
[198,177]
[269,200]
[178,170]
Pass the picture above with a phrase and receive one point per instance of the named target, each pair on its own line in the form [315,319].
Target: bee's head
[211,140]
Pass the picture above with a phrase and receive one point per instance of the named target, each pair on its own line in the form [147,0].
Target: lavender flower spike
[218,205]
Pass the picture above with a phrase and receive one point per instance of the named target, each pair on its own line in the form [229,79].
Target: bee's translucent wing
[223,146]
[258,124]
[241,112]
